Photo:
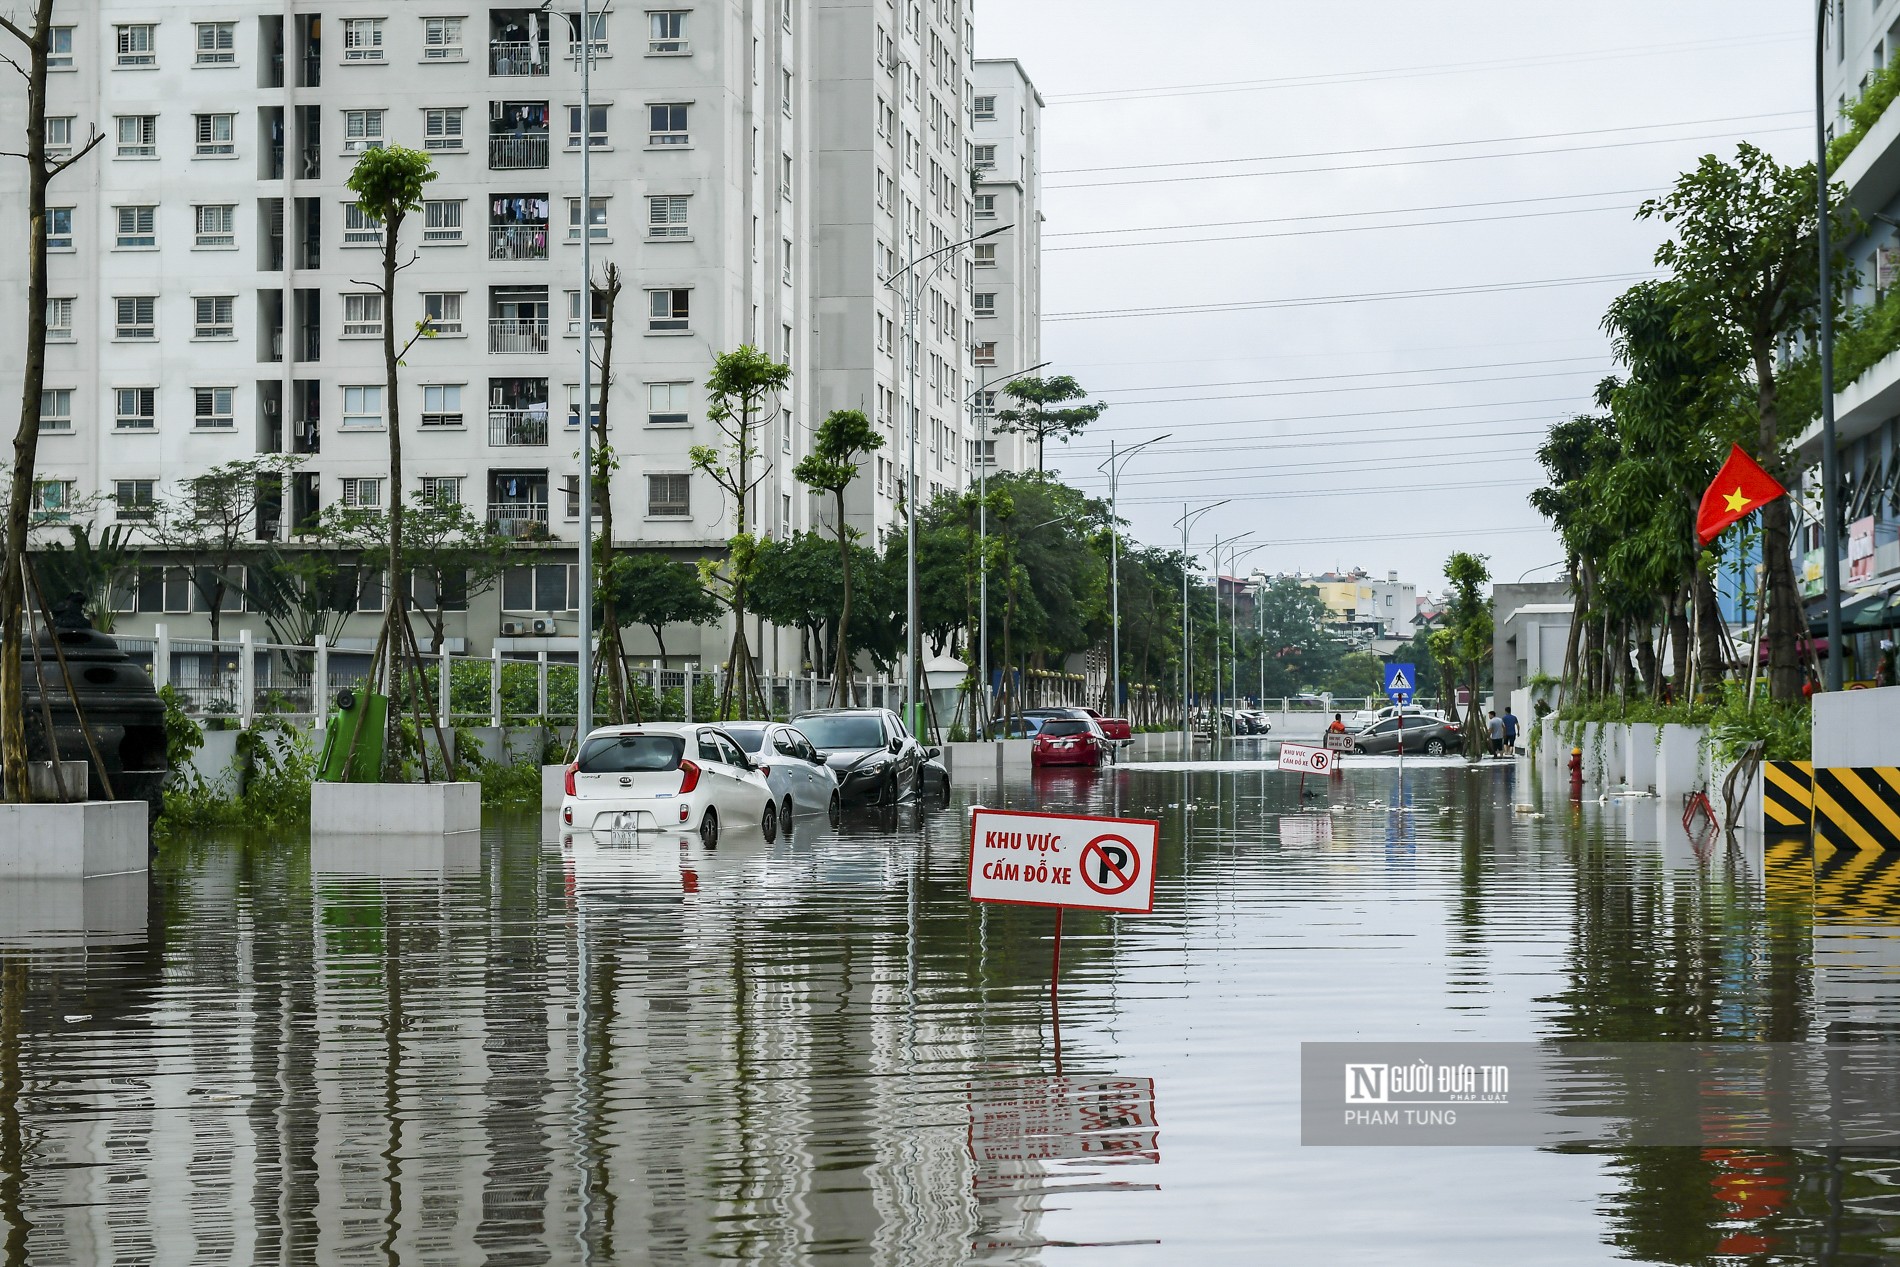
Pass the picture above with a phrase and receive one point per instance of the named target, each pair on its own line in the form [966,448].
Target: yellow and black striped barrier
[1857,808]
[1787,797]
[1788,872]
[1856,886]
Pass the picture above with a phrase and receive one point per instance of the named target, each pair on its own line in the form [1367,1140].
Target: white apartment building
[1006,293]
[209,276]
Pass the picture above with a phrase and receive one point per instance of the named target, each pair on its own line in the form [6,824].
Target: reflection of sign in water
[1105,864]
[1018,1120]
[1306,829]
[1305,759]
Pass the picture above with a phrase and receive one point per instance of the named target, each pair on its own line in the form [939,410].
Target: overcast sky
[1316,142]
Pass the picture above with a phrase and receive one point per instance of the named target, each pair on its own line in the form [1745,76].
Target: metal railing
[517,242]
[518,428]
[508,334]
[517,150]
[508,57]
[518,519]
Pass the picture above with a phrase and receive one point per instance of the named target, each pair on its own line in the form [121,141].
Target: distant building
[1531,631]
[1371,609]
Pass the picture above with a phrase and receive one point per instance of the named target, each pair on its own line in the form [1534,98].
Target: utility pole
[1830,448]
[1186,522]
[1113,467]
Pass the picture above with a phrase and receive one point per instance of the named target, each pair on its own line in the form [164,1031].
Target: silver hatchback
[794,769]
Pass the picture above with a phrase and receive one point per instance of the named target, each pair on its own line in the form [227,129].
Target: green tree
[1744,251]
[389,183]
[1041,410]
[652,590]
[1299,651]
[1462,646]
[744,390]
[1358,675]
[843,441]
[451,553]
[93,567]
[1577,456]
[210,528]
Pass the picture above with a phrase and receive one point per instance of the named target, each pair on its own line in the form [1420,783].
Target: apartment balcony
[511,57]
[510,335]
[518,242]
[517,151]
[518,428]
[518,520]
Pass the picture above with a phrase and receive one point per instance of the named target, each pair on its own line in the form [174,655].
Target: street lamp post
[1830,452]
[1113,466]
[1220,678]
[981,415]
[907,403]
[1233,617]
[1185,523]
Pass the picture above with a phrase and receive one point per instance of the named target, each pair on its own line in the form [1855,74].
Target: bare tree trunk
[613,652]
[1713,652]
[841,670]
[1678,629]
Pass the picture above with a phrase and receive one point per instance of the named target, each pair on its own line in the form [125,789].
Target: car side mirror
[897,745]
[933,753]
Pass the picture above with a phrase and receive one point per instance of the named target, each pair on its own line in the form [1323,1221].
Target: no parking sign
[1103,864]
[1305,759]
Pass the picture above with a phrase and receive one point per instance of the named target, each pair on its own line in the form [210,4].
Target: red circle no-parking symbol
[1110,865]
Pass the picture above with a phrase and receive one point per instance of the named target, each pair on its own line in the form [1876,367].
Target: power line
[1311,439]
[1366,387]
[1363,413]
[1312,301]
[1349,228]
[1323,378]
[1348,215]
[1417,162]
[1424,145]
[1424,71]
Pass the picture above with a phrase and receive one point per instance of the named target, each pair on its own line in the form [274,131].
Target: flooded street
[542,1052]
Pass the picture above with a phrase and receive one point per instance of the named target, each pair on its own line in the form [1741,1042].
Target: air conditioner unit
[510,629]
[544,627]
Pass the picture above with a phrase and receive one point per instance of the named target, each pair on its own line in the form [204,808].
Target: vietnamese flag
[1740,486]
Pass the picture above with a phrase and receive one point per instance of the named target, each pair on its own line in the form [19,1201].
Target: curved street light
[1114,468]
[1186,523]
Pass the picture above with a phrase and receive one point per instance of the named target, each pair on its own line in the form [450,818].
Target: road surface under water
[533,1051]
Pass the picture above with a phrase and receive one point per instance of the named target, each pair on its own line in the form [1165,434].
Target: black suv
[874,757]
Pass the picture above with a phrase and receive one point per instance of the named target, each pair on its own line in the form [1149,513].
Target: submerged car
[1070,741]
[675,776]
[873,756]
[793,768]
[1431,736]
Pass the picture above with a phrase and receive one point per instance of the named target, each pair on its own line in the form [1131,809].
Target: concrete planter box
[1679,764]
[105,911]
[1012,756]
[1639,757]
[395,809]
[423,856]
[75,841]
[972,762]
[553,786]
[1857,728]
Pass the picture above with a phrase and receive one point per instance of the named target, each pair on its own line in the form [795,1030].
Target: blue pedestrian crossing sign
[1401,680]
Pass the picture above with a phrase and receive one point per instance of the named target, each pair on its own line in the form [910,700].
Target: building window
[667,125]
[59,134]
[574,395]
[669,496]
[59,320]
[442,221]
[138,227]
[217,43]
[669,310]
[362,316]
[443,490]
[135,500]
[442,128]
[136,319]
[56,409]
[137,44]
[362,39]
[363,493]
[138,135]
[983,255]
[444,311]
[214,317]
[542,588]
[53,500]
[362,130]
[667,404]
[59,228]
[986,206]
[596,219]
[442,39]
[574,312]
[360,228]
[666,216]
[983,109]
[666,33]
[983,303]
[785,176]
[216,224]
[215,134]
[363,406]
[596,127]
[137,408]
[785,92]
[442,404]
[214,408]
[59,49]
[983,354]
[983,157]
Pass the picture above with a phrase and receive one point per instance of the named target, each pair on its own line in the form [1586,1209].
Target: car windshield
[843,730]
[632,754]
[750,740]
[1062,726]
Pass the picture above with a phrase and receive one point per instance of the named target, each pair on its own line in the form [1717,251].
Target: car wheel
[887,795]
[835,811]
[1434,747]
[785,815]
[768,823]
[709,827]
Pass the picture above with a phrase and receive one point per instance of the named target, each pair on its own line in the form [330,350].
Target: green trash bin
[358,712]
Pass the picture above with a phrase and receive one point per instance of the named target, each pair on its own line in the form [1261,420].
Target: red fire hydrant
[1576,772]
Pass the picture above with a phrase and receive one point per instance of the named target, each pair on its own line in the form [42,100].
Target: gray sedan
[1431,736]
[794,770]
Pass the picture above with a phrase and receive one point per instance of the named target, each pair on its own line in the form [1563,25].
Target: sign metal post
[1401,681]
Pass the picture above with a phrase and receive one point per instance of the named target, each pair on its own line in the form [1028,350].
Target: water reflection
[546,1048]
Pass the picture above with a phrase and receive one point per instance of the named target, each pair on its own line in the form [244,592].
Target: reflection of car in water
[793,768]
[665,775]
[874,757]
[1431,736]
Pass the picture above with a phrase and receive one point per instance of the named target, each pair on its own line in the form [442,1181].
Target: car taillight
[572,769]
[689,776]
[766,770]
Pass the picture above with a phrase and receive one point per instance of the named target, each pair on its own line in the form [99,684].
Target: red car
[1069,741]
[1116,728]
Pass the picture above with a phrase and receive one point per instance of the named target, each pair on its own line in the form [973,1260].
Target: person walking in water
[1510,732]
[1338,727]
[1497,733]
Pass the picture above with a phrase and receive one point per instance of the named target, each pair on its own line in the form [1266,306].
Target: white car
[794,769]
[669,776]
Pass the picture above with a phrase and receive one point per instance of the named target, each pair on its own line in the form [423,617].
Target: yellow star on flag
[1737,500]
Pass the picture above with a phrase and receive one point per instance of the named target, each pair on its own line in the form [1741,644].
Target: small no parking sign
[1024,859]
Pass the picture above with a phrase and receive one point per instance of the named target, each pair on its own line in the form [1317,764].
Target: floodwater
[531,1051]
